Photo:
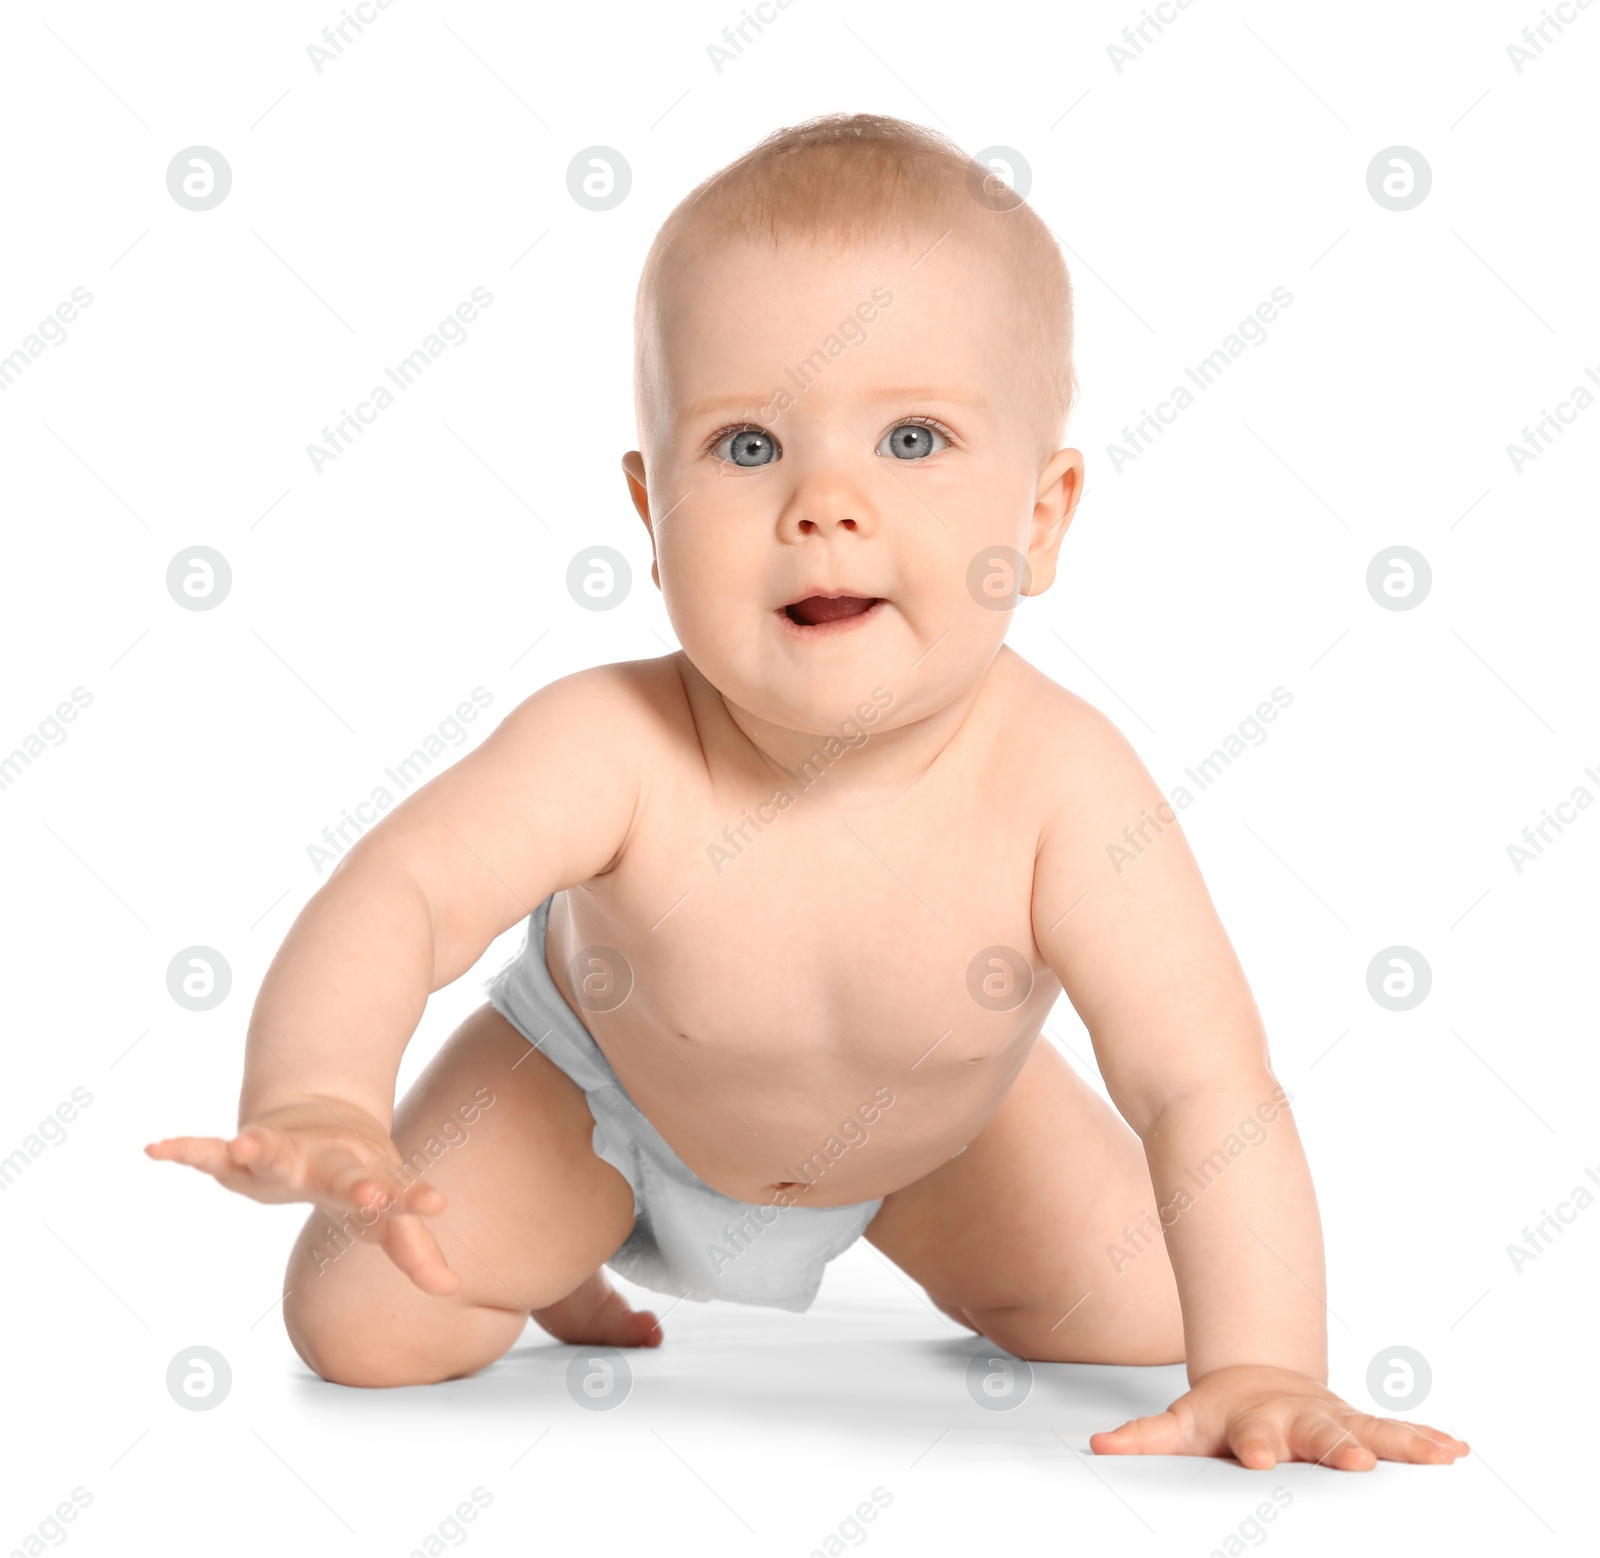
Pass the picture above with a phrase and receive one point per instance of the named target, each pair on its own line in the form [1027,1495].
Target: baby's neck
[866,764]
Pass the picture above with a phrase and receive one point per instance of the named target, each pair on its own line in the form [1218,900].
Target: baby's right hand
[341,1161]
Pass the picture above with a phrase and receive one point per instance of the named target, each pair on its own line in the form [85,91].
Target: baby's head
[853,367]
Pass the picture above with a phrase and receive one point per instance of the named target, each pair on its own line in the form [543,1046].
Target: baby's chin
[815,690]
[872,667]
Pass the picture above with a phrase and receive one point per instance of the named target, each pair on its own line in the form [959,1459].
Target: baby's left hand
[1263,1415]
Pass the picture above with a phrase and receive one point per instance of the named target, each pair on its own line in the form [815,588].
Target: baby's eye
[913,441]
[746,446]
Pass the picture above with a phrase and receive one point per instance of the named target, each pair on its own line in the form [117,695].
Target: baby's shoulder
[1071,753]
[1049,724]
[630,707]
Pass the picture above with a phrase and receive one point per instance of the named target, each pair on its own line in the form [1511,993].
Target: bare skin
[787,966]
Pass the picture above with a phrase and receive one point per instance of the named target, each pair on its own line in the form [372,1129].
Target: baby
[800,896]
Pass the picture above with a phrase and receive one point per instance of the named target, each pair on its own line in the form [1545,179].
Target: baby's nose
[827,503]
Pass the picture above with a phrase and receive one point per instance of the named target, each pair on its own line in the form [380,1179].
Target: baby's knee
[342,1352]
[347,1346]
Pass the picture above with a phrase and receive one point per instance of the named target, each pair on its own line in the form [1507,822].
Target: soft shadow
[747,1372]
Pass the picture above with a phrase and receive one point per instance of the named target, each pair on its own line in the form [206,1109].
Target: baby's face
[841,456]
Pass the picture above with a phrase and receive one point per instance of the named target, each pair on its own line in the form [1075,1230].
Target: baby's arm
[546,801]
[1181,1047]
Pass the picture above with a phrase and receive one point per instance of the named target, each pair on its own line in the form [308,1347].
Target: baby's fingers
[209,1154]
[353,1181]
[1392,1440]
[262,1163]
[268,1154]
[274,1165]
[1316,1437]
[1162,1434]
[427,1200]
[1257,1442]
[410,1244]
[361,1187]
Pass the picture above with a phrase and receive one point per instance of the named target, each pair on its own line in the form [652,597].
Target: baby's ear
[1060,487]
[633,469]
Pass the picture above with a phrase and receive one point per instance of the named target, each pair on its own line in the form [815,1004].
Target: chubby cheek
[936,591]
[711,580]
[940,609]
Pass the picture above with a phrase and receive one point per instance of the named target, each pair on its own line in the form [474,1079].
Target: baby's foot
[595,1312]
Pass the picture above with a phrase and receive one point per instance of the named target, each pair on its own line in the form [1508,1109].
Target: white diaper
[688,1240]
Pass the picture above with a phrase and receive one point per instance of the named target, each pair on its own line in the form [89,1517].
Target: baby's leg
[1011,1236]
[532,1214]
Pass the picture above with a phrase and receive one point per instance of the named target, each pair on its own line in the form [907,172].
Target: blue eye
[912,441]
[746,446]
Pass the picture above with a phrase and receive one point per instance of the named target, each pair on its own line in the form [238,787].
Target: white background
[368,200]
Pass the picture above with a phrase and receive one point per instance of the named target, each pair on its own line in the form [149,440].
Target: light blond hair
[855,178]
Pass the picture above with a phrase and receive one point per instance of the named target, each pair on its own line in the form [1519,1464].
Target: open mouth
[821,610]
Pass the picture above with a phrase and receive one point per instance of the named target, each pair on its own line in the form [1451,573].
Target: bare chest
[785,938]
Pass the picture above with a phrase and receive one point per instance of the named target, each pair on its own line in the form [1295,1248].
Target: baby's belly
[833,1086]
[839,1134]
